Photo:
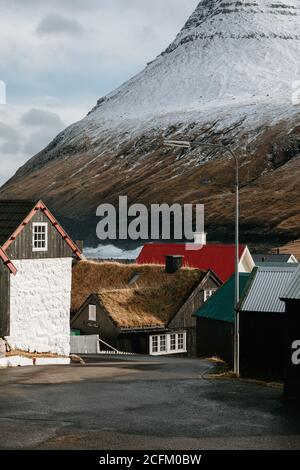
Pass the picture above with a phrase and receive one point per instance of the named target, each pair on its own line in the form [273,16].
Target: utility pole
[187,144]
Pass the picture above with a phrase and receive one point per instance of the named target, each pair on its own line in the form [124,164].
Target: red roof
[218,258]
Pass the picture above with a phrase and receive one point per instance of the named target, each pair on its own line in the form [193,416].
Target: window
[169,343]
[40,237]
[180,342]
[208,293]
[163,343]
[154,344]
[92,313]
[173,342]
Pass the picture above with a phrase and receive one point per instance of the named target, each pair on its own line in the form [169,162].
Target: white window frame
[173,342]
[208,293]
[163,339]
[157,345]
[34,226]
[93,313]
[183,341]
[168,349]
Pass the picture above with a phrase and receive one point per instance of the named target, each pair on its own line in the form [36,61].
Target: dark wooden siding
[21,248]
[137,343]
[215,338]
[185,318]
[262,345]
[292,371]
[4,300]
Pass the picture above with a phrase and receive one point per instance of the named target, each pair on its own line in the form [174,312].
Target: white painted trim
[292,259]
[92,313]
[208,293]
[168,344]
[40,224]
[17,361]
[246,264]
[47,361]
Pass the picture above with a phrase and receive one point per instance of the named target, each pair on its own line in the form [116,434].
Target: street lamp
[188,145]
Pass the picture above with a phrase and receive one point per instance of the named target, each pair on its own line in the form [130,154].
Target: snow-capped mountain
[232,75]
[227,51]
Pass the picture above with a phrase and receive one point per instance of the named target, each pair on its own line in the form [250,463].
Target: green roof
[221,305]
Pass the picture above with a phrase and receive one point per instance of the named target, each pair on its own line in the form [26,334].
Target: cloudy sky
[57,57]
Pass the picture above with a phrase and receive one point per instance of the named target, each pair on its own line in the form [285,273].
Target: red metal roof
[216,257]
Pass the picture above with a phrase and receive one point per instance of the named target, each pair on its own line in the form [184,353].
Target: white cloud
[8,132]
[54,23]
[24,132]
[60,56]
[9,140]
[41,118]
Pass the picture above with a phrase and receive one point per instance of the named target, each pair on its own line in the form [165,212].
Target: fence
[91,344]
[85,344]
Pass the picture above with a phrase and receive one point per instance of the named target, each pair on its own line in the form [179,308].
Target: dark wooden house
[263,322]
[291,298]
[216,322]
[36,257]
[140,308]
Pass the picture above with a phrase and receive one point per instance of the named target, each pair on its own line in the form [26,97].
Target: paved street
[140,402]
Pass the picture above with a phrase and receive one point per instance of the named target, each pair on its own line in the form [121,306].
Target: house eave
[146,329]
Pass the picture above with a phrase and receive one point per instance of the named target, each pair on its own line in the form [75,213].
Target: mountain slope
[227,78]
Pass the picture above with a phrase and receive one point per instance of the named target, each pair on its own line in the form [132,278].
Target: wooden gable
[185,318]
[17,219]
[21,247]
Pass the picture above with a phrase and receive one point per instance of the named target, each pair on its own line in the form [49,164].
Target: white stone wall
[40,300]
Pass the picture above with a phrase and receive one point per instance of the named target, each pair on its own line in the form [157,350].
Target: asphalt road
[139,402]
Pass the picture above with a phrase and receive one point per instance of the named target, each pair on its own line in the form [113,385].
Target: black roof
[271,258]
[12,214]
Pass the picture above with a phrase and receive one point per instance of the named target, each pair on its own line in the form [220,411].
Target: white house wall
[40,300]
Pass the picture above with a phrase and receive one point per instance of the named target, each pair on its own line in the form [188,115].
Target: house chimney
[200,238]
[173,263]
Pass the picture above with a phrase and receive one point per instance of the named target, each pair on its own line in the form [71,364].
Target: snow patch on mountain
[228,52]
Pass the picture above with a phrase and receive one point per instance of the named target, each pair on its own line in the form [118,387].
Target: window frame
[34,233]
[183,341]
[94,312]
[208,296]
[173,344]
[163,339]
[157,338]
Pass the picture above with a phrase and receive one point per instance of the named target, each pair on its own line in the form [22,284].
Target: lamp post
[188,145]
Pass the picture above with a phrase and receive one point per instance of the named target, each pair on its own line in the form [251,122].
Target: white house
[36,257]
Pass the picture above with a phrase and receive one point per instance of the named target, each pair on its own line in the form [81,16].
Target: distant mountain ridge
[228,77]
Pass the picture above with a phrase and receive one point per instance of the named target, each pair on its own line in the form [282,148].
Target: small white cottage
[36,257]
